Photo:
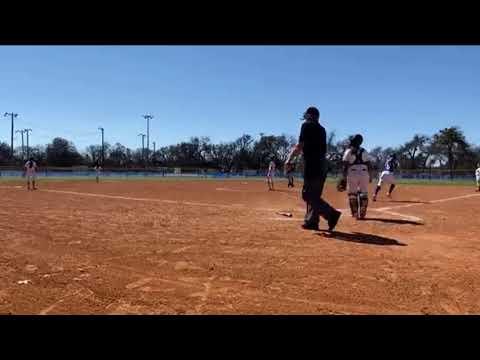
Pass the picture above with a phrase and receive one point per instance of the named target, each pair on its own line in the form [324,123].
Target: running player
[477,176]
[97,169]
[387,176]
[31,173]
[270,175]
[356,170]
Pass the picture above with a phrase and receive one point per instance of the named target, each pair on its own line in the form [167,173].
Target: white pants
[357,179]
[478,181]
[31,178]
[386,177]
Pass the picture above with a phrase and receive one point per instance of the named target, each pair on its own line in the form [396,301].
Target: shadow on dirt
[362,238]
[394,221]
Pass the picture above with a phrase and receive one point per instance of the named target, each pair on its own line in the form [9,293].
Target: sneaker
[332,222]
[374,198]
[310,227]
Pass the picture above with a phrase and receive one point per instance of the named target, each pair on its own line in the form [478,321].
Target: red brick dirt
[219,247]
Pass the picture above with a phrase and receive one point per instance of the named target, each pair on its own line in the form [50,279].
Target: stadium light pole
[143,145]
[23,146]
[154,149]
[103,144]
[13,116]
[148,117]
[27,131]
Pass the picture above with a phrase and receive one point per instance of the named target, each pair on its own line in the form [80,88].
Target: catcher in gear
[356,171]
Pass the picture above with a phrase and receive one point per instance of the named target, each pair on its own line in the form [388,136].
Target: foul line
[386,210]
[430,202]
[118,197]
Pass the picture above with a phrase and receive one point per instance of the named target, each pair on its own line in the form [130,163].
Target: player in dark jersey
[387,175]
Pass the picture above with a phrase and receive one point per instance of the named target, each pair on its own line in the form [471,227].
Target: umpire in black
[313,143]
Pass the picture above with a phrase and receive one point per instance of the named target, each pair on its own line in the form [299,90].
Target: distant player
[31,173]
[477,176]
[289,169]
[98,170]
[356,170]
[387,176]
[270,175]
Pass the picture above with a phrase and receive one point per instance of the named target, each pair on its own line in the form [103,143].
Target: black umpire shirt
[314,139]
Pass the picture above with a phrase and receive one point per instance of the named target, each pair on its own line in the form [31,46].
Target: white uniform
[271,170]
[387,175]
[477,176]
[358,177]
[31,172]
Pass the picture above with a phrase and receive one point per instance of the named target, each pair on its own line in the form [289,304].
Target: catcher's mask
[356,141]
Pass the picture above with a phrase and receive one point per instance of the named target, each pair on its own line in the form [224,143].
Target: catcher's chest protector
[358,157]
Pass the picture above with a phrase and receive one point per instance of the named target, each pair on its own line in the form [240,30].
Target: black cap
[312,113]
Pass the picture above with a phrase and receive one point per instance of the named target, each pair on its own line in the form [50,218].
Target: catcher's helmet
[356,141]
[312,113]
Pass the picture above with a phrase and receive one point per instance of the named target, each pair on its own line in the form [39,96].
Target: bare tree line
[446,149]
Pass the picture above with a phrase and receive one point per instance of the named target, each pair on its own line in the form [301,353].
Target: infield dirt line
[118,197]
[430,202]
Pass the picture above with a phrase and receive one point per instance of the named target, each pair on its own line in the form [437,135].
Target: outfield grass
[188,178]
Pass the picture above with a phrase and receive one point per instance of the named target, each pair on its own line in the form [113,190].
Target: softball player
[477,176]
[31,173]
[98,169]
[270,175]
[387,176]
[289,169]
[356,170]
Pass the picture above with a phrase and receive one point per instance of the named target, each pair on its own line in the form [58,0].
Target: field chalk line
[386,210]
[118,197]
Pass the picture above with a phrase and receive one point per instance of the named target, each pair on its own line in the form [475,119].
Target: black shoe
[332,222]
[310,227]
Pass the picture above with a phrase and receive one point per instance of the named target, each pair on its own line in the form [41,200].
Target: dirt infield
[219,247]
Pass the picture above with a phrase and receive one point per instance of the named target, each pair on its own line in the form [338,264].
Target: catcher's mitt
[342,185]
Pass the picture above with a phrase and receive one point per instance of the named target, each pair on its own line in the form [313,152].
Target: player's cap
[311,113]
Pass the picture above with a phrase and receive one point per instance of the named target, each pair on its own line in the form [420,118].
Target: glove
[342,185]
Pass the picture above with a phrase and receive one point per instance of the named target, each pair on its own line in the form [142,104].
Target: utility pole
[13,116]
[103,145]
[27,131]
[23,147]
[143,146]
[148,117]
[154,149]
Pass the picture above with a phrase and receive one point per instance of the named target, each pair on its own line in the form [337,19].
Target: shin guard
[353,201]
[363,204]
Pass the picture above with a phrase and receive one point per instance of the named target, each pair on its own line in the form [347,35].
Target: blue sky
[387,93]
